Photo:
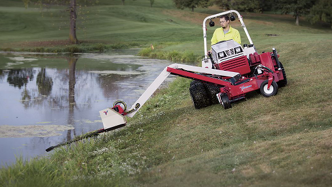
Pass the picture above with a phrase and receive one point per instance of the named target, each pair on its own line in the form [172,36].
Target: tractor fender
[266,60]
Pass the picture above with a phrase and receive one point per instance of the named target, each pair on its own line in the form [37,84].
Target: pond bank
[64,95]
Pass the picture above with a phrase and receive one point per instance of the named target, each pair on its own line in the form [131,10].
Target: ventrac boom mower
[227,74]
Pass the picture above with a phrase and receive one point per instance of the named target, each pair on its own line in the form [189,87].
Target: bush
[170,55]
[7,49]
[145,52]
[173,56]
[119,46]
[100,47]
[188,57]
[72,49]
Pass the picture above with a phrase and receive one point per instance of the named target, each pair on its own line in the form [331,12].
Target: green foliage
[192,4]
[321,11]
[151,2]
[175,56]
[145,52]
[69,166]
[298,8]
[241,5]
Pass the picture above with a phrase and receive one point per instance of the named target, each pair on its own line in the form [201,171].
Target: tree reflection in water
[20,77]
[72,104]
[44,83]
[65,90]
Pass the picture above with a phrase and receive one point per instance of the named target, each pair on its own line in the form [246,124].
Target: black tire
[225,102]
[195,82]
[283,83]
[199,96]
[269,92]
[212,91]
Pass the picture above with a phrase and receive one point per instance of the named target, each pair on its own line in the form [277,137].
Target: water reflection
[51,91]
[44,82]
[20,77]
[72,81]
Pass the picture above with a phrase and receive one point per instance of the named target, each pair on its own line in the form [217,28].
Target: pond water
[47,99]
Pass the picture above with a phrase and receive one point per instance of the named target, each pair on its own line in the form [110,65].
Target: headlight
[221,54]
[238,50]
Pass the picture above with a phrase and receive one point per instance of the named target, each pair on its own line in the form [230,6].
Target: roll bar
[220,14]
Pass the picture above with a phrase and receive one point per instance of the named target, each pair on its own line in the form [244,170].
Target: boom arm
[111,118]
[182,70]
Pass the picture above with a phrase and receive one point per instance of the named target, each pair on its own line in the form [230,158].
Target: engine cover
[228,55]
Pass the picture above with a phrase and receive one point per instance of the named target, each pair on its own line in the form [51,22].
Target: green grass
[25,28]
[283,140]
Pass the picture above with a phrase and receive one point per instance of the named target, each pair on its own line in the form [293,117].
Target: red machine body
[250,80]
[230,72]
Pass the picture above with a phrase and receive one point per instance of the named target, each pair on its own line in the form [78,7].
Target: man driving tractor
[226,32]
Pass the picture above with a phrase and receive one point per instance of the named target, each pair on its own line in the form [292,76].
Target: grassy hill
[284,140]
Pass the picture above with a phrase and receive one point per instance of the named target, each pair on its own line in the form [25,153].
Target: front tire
[283,82]
[269,92]
[225,102]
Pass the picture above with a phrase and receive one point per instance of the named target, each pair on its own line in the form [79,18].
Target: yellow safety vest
[219,35]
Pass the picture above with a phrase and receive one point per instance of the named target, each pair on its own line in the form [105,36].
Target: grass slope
[284,140]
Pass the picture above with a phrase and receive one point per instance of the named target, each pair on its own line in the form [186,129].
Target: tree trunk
[192,9]
[297,22]
[73,18]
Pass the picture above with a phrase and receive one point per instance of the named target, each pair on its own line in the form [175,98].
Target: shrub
[145,52]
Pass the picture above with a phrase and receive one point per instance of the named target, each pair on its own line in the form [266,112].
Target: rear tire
[212,91]
[269,92]
[195,82]
[199,95]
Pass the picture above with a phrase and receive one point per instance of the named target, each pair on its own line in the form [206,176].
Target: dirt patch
[272,35]
[248,171]
[265,168]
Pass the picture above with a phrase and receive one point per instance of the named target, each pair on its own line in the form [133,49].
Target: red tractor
[263,72]
[227,74]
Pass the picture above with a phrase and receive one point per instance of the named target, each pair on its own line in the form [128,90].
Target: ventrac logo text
[245,87]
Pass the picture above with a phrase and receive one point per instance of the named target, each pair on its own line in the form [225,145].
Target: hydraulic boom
[113,117]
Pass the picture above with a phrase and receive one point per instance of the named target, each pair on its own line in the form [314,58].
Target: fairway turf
[284,140]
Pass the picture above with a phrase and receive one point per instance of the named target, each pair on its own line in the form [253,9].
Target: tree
[244,5]
[73,18]
[72,9]
[191,4]
[321,11]
[297,7]
[151,2]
